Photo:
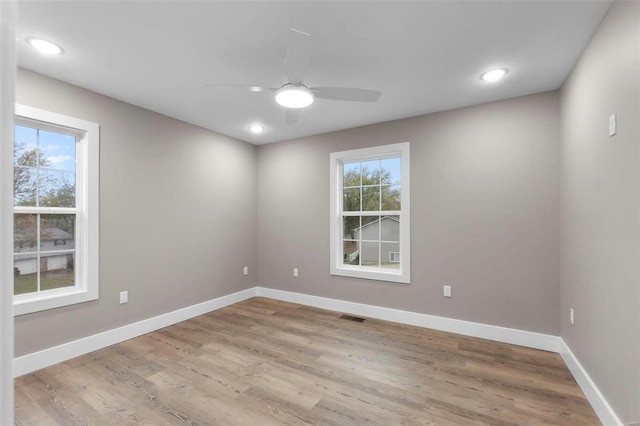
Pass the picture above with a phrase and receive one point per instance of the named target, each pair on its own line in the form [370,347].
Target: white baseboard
[599,404]
[529,339]
[46,357]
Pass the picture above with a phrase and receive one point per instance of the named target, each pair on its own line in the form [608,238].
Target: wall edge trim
[47,357]
[529,339]
[598,402]
[34,361]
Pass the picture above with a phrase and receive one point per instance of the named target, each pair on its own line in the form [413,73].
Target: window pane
[351,174]
[370,253]
[57,232]
[57,271]
[371,198]
[24,233]
[57,189]
[391,197]
[57,151]
[25,144]
[351,253]
[24,186]
[25,273]
[371,172]
[350,227]
[351,200]
[370,228]
[390,229]
[390,255]
[390,171]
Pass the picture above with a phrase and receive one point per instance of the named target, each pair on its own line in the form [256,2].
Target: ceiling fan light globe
[291,96]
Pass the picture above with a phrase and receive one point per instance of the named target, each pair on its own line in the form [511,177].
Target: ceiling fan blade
[291,115]
[242,87]
[297,59]
[346,94]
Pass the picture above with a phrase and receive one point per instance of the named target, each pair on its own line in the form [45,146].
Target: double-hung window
[370,225]
[55,254]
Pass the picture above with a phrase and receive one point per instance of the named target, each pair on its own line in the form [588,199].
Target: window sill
[372,274]
[24,304]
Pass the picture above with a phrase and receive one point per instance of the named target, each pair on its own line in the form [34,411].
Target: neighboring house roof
[54,234]
[378,220]
[46,234]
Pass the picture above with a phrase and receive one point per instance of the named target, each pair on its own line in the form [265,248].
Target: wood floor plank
[27,411]
[266,362]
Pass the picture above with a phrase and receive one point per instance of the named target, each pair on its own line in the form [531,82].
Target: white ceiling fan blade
[291,115]
[297,59]
[242,87]
[346,94]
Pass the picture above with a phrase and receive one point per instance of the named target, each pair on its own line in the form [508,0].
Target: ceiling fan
[294,94]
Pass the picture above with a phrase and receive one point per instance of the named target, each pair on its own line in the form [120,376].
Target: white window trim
[87,211]
[336,160]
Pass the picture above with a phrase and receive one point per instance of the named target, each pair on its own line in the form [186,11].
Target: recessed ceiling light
[44,46]
[256,128]
[494,75]
[292,96]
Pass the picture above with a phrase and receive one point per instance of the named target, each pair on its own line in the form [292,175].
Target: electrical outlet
[447,291]
[124,297]
[246,270]
[572,316]
[613,124]
[295,272]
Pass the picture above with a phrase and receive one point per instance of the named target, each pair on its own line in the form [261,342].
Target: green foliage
[29,283]
[371,187]
[60,195]
[53,192]
[24,183]
[29,158]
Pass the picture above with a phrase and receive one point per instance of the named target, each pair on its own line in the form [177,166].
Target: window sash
[40,253]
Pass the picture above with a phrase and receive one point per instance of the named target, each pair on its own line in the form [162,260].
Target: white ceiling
[423,56]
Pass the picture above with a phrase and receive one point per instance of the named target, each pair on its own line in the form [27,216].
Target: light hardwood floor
[263,362]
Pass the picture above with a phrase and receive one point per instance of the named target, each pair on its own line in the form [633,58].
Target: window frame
[337,160]
[86,262]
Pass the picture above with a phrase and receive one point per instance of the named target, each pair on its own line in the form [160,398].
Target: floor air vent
[350,318]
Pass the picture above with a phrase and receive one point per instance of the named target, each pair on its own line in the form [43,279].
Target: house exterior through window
[370,226]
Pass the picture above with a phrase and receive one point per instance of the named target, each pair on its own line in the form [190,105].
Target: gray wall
[600,212]
[177,215]
[484,218]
